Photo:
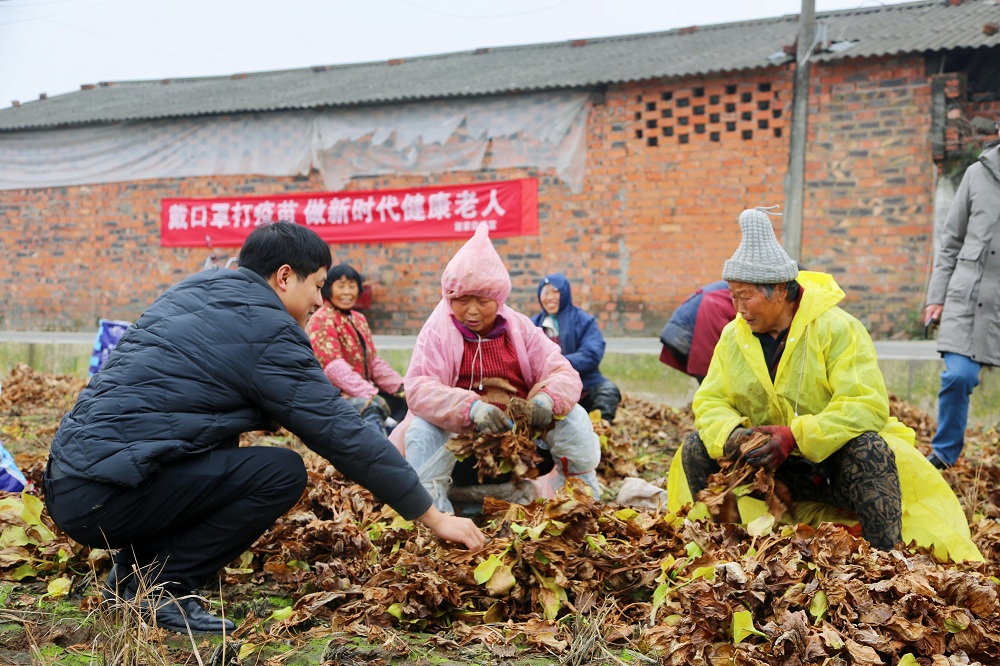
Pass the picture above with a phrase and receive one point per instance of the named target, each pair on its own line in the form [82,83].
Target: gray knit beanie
[759,259]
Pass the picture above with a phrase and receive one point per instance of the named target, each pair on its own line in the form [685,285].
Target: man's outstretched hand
[453,528]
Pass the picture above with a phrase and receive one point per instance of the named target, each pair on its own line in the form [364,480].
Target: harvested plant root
[736,478]
[513,451]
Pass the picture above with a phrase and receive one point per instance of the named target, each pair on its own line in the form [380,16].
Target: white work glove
[489,418]
[541,411]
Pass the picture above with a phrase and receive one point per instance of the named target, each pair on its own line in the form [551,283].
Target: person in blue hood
[581,342]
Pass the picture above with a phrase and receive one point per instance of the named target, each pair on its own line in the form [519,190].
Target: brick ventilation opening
[749,110]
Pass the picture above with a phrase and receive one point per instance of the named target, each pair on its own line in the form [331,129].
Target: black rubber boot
[605,398]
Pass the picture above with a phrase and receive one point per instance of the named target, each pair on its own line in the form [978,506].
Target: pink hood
[431,394]
[476,270]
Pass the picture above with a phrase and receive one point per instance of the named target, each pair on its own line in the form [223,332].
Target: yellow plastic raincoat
[829,389]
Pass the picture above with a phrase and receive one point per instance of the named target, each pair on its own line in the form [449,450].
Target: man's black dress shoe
[116,588]
[187,614]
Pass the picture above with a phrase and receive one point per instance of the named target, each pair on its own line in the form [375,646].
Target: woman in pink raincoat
[472,355]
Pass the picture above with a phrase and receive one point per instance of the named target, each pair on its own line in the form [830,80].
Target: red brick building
[682,131]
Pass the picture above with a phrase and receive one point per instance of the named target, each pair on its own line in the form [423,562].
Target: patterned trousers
[860,477]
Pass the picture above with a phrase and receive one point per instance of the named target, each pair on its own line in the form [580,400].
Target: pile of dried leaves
[682,589]
[28,392]
[689,589]
[31,406]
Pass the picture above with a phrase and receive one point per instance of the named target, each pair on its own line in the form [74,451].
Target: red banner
[452,212]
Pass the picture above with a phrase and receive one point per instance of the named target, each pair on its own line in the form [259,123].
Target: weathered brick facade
[670,165]
[869,205]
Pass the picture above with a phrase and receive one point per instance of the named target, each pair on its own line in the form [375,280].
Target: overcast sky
[54,46]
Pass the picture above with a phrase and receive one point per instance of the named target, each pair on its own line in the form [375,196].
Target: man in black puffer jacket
[148,460]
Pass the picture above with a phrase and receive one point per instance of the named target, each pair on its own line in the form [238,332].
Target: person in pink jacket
[473,354]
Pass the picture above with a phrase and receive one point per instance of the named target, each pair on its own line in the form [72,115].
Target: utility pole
[795,179]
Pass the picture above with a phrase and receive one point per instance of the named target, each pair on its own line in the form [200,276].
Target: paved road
[50,337]
[887,349]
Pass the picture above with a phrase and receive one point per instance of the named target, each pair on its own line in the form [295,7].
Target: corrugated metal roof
[866,32]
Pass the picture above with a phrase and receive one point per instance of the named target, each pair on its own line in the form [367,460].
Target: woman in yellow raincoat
[795,365]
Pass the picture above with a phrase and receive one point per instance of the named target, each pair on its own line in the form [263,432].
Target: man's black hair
[271,246]
[337,272]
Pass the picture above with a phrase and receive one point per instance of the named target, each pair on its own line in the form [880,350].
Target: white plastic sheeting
[540,130]
[266,144]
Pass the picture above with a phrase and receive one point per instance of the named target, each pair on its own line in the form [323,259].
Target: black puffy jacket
[214,356]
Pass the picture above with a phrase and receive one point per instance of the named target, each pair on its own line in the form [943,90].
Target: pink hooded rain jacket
[477,270]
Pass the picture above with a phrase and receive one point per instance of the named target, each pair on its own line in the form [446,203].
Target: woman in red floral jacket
[344,347]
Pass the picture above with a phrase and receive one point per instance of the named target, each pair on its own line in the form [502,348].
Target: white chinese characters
[463,208]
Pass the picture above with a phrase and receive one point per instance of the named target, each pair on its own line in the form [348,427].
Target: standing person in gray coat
[964,296]
[149,460]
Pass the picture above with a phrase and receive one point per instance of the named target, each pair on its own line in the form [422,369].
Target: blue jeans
[960,376]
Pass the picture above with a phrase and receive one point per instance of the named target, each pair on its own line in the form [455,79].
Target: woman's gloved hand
[731,451]
[776,451]
[489,418]
[541,410]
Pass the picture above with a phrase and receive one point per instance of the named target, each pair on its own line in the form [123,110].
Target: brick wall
[989,109]
[670,165]
[869,204]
